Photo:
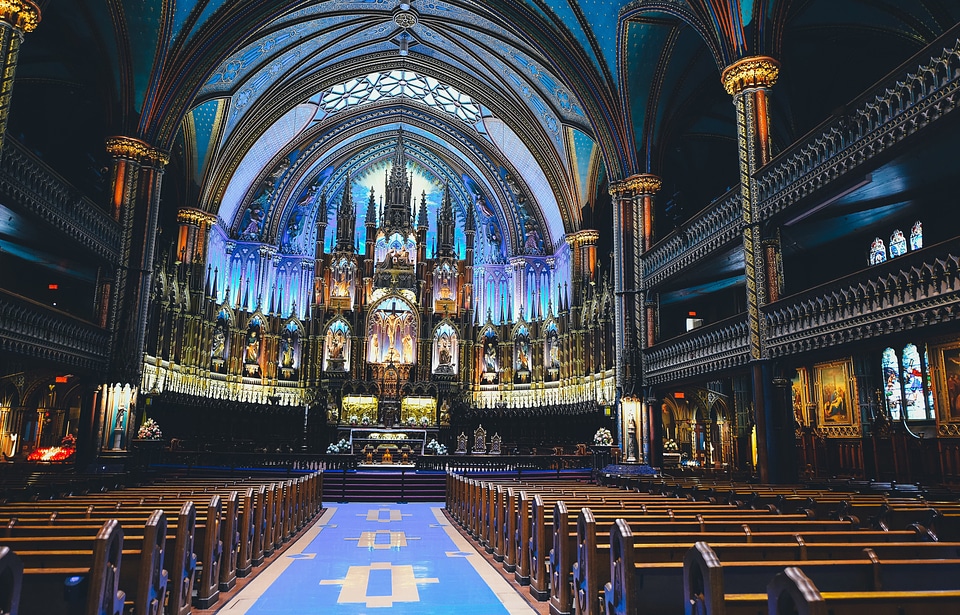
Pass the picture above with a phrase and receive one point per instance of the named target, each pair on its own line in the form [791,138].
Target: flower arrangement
[354,419]
[365,420]
[436,448]
[339,448]
[670,445]
[603,437]
[411,421]
[69,441]
[424,420]
[149,430]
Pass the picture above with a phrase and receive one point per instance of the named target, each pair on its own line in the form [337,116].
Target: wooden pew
[791,591]
[592,568]
[11,581]
[701,583]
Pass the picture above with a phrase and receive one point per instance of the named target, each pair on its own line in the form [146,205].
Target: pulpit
[461,444]
[480,441]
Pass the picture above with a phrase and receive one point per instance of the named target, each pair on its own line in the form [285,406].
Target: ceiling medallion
[405,18]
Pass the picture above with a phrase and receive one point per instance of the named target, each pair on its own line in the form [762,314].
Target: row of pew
[158,549]
[724,548]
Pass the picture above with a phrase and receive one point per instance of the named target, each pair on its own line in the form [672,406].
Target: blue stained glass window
[914,403]
[898,244]
[878,252]
[916,236]
[891,382]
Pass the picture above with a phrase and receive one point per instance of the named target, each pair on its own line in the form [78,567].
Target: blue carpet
[374,558]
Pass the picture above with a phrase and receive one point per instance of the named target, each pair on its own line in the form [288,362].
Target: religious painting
[336,347]
[392,333]
[800,396]
[288,359]
[396,251]
[521,356]
[446,350]
[551,353]
[253,345]
[947,373]
[836,394]
[490,364]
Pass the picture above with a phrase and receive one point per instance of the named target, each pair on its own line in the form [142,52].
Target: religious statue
[631,439]
[374,347]
[392,324]
[219,343]
[335,343]
[523,355]
[443,355]
[407,349]
[253,346]
[490,357]
[286,352]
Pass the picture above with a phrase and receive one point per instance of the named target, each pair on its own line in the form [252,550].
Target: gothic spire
[346,219]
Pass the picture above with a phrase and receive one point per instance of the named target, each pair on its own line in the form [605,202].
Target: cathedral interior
[723,231]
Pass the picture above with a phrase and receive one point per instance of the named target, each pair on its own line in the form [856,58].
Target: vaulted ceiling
[532,103]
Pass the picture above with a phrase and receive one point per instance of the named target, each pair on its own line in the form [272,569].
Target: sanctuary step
[384,485]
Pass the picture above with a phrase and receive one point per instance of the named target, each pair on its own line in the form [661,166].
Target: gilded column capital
[196,217]
[641,183]
[23,15]
[136,150]
[752,72]
[582,237]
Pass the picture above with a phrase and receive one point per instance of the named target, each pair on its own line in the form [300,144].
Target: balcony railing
[31,329]
[29,182]
[708,231]
[918,289]
[917,94]
[720,346]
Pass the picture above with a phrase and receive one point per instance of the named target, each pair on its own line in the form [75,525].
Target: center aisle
[369,558]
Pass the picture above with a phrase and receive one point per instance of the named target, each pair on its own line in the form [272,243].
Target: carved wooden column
[749,81]
[17,17]
[136,176]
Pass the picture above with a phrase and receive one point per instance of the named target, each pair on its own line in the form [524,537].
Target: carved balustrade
[27,181]
[31,329]
[922,91]
[698,238]
[708,349]
[912,291]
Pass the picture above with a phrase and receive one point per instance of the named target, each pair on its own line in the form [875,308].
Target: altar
[381,439]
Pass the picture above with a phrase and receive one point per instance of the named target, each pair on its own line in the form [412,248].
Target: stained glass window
[898,244]
[916,236]
[878,252]
[891,382]
[906,384]
[397,83]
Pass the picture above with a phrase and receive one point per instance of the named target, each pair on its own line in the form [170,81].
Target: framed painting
[947,379]
[800,396]
[836,394]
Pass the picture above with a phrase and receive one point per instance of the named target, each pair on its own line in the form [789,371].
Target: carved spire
[346,219]
[446,224]
[422,220]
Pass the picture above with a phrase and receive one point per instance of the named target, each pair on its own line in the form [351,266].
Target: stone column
[749,81]
[193,235]
[136,176]
[17,17]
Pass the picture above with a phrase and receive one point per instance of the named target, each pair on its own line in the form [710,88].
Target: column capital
[640,183]
[582,237]
[751,72]
[136,150]
[23,15]
[196,217]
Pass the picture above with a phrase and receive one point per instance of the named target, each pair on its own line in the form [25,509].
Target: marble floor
[378,558]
